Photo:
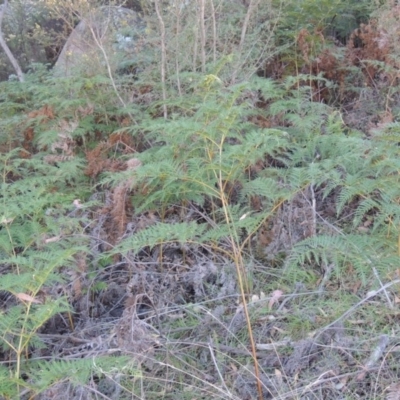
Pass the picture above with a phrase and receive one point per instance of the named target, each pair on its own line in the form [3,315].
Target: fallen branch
[374,357]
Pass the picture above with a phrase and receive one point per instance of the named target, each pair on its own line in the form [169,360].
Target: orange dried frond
[368,42]
[119,210]
[44,114]
[122,138]
[97,160]
[46,111]
[304,45]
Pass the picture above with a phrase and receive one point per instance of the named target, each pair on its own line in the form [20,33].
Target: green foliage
[364,174]
[200,158]
[79,371]
[40,234]
[8,383]
[33,33]
[205,153]
[36,241]
[336,18]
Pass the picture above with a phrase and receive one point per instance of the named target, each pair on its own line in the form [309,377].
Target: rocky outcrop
[109,37]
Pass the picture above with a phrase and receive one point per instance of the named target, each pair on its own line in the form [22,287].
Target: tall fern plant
[40,232]
[204,155]
[36,242]
[41,224]
[359,176]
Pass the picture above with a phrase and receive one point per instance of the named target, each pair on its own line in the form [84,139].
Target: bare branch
[163,55]
[202,26]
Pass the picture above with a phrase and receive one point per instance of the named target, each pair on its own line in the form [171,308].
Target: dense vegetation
[215,216]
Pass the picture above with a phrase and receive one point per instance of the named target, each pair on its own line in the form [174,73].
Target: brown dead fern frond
[46,113]
[124,139]
[369,42]
[332,69]
[97,160]
[36,117]
[102,158]
[303,41]
[121,207]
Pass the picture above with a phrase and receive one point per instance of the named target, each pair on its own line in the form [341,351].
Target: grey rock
[109,37]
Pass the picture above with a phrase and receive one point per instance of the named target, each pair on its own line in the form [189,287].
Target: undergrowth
[200,229]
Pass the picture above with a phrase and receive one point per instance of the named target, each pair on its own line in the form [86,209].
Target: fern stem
[243,284]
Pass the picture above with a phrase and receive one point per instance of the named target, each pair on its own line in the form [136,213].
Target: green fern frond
[354,185]
[43,312]
[269,88]
[363,252]
[216,234]
[11,284]
[10,322]
[46,374]
[363,208]
[319,249]
[265,187]
[161,233]
[9,384]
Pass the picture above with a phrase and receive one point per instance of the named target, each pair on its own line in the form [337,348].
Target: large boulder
[109,37]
